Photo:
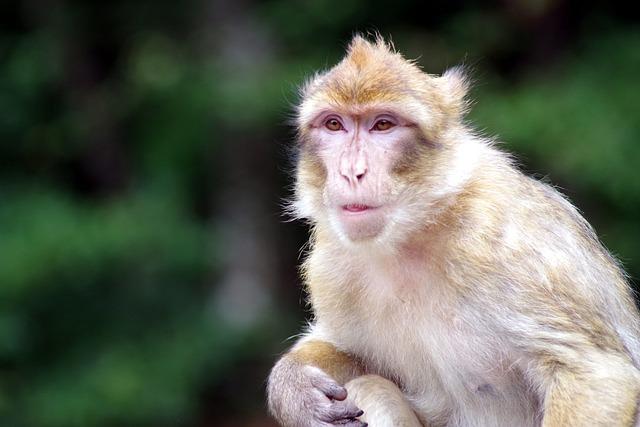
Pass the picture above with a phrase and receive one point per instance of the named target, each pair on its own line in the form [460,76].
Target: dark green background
[147,275]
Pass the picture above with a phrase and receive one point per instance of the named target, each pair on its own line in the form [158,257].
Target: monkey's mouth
[356,208]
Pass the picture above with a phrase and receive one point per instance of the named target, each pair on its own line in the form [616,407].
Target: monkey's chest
[454,372]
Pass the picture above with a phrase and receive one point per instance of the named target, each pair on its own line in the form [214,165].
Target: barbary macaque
[447,288]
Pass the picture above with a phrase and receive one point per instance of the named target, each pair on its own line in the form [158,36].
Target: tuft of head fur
[373,74]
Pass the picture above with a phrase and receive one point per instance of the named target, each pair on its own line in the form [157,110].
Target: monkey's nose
[353,167]
[359,168]
[354,176]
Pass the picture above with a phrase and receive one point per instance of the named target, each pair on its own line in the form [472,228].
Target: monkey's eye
[383,124]
[333,124]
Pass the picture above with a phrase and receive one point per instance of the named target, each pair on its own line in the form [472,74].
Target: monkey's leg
[383,403]
[602,391]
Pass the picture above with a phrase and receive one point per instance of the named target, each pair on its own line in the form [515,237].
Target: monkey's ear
[455,84]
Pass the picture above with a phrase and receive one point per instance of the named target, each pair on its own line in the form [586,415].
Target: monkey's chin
[361,225]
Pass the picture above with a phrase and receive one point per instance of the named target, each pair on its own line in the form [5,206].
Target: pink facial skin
[358,152]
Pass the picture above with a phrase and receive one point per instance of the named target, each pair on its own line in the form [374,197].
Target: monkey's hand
[305,396]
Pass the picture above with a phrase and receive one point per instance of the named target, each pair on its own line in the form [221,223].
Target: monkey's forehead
[355,93]
[377,79]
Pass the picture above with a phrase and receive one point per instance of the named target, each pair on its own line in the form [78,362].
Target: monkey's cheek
[362,226]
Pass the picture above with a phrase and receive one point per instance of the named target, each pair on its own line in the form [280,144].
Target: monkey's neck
[355,267]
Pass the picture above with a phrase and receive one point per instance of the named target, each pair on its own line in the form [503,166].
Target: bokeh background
[147,275]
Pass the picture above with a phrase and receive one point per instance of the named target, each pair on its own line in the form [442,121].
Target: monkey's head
[374,136]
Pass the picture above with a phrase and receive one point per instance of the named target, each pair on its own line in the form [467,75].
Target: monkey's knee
[383,403]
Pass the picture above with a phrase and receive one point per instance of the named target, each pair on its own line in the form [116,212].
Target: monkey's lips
[356,208]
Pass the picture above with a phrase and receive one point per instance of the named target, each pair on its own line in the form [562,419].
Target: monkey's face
[354,163]
[373,158]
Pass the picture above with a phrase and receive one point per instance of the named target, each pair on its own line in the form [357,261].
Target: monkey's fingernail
[359,413]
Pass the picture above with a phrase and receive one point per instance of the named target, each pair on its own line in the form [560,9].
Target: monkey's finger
[351,423]
[341,412]
[330,388]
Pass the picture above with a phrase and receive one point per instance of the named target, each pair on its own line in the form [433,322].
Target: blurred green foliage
[123,126]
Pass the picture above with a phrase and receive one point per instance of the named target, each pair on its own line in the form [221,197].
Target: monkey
[447,287]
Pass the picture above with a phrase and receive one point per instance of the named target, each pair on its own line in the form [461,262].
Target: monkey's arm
[315,352]
[306,386]
[383,402]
